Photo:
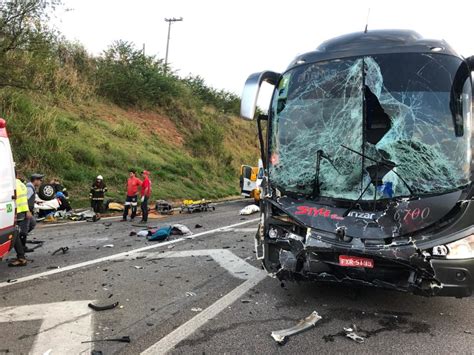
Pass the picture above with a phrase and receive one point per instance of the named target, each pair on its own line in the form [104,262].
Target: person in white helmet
[97,195]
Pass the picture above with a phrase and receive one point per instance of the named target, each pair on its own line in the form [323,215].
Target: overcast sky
[225,41]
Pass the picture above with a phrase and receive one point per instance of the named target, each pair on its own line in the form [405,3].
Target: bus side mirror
[248,103]
[470,62]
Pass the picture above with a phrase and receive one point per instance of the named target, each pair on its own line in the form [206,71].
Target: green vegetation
[74,116]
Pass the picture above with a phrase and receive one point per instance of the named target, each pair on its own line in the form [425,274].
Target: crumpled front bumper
[397,267]
[456,276]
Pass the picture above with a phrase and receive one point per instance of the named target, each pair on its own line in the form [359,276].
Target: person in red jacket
[145,195]
[133,183]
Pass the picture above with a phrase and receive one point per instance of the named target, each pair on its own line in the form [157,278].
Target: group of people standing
[134,184]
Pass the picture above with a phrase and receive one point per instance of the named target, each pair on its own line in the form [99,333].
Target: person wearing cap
[145,195]
[133,183]
[97,195]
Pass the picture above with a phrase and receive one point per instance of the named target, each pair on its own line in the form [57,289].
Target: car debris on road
[103,308]
[64,250]
[281,336]
[249,210]
[124,339]
[351,334]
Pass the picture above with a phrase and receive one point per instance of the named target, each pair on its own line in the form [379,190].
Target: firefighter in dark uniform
[97,195]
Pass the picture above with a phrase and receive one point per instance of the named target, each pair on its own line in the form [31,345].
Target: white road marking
[64,326]
[248,230]
[168,342]
[225,258]
[121,255]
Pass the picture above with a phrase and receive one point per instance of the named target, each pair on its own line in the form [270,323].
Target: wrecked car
[368,168]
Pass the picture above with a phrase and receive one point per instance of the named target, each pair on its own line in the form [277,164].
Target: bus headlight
[461,249]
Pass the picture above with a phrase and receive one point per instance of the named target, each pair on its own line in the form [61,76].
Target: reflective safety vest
[21,197]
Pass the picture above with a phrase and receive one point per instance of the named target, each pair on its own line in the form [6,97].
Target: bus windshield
[390,125]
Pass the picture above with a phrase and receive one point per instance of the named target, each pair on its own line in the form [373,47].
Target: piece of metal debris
[108,246]
[196,309]
[64,250]
[190,294]
[138,267]
[102,308]
[351,334]
[124,339]
[281,336]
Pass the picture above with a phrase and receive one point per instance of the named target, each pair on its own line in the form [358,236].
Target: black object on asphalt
[132,233]
[102,308]
[51,267]
[64,250]
[197,226]
[97,352]
[124,339]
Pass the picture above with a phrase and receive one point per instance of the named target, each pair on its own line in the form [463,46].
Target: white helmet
[99,177]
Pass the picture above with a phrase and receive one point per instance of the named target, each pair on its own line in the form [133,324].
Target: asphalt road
[202,294]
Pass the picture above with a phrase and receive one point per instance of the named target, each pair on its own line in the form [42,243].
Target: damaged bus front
[368,168]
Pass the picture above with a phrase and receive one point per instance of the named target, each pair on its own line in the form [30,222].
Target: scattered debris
[468,332]
[138,267]
[170,246]
[196,309]
[114,206]
[281,336]
[10,281]
[53,267]
[190,294]
[64,250]
[96,352]
[197,226]
[103,308]
[107,224]
[351,334]
[143,233]
[249,210]
[163,207]
[132,233]
[181,229]
[245,301]
[149,324]
[108,246]
[124,339]
[140,257]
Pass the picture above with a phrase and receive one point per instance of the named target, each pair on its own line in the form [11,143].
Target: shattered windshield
[372,127]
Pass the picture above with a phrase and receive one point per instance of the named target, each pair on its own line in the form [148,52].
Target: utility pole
[170,21]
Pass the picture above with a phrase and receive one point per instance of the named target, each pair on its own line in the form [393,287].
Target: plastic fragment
[108,246]
[102,308]
[190,294]
[281,336]
[64,250]
[196,309]
[351,334]
[124,339]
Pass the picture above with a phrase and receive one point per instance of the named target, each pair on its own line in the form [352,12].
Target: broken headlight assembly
[460,249]
[280,233]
